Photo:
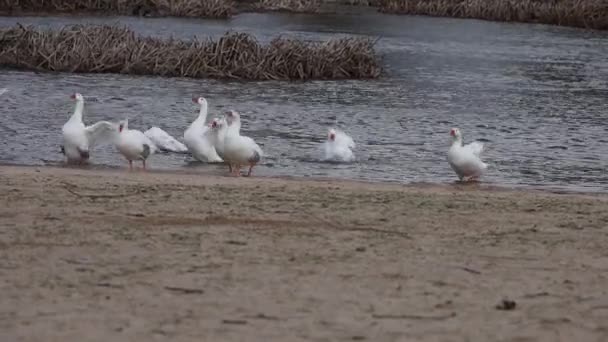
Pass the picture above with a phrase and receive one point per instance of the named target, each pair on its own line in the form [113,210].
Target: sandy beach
[108,255]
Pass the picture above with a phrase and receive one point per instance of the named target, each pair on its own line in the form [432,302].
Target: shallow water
[537,95]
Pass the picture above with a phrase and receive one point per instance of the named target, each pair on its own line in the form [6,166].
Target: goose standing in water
[164,141]
[465,159]
[338,147]
[218,133]
[78,139]
[199,138]
[133,144]
[219,126]
[239,150]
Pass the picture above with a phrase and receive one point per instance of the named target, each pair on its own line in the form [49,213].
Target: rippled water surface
[537,95]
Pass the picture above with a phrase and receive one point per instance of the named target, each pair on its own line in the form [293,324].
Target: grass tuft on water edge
[109,49]
[578,13]
[177,8]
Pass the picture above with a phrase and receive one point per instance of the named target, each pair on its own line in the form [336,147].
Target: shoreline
[142,256]
[223,178]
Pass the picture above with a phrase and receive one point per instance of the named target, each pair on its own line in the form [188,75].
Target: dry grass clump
[178,8]
[107,49]
[300,6]
[578,13]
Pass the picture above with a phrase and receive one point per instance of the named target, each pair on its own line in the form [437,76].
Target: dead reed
[108,49]
[577,13]
[178,8]
[300,6]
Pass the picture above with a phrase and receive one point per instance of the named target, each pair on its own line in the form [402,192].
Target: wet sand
[107,255]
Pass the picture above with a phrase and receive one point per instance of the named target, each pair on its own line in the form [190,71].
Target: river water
[536,95]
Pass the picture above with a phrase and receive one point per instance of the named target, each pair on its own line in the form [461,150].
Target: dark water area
[537,96]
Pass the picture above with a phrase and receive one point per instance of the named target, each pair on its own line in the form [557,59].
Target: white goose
[133,144]
[164,141]
[465,159]
[239,150]
[78,139]
[338,147]
[199,138]
[219,126]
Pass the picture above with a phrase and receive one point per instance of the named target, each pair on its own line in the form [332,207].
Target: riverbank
[592,14]
[110,254]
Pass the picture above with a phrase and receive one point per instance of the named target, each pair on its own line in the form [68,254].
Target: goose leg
[250,168]
[144,163]
[130,165]
[237,169]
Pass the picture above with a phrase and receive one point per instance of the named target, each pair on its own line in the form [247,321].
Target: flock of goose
[220,141]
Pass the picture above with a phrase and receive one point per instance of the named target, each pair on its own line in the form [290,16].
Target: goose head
[331,135]
[232,116]
[200,100]
[123,125]
[455,133]
[216,124]
[77,97]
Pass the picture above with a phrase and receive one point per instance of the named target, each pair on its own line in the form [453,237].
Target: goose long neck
[221,133]
[202,114]
[235,127]
[77,116]
[457,140]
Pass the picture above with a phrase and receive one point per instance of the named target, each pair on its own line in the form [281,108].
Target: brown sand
[89,255]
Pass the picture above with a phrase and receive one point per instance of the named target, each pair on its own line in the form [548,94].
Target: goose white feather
[199,138]
[133,144]
[78,139]
[465,159]
[338,147]
[164,141]
[219,126]
[239,150]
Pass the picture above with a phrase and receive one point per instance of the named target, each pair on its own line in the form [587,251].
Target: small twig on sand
[234,321]
[470,270]
[80,262]
[184,290]
[416,317]
[264,317]
[114,286]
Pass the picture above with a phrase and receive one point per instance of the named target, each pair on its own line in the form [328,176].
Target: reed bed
[178,8]
[299,6]
[577,13]
[108,49]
